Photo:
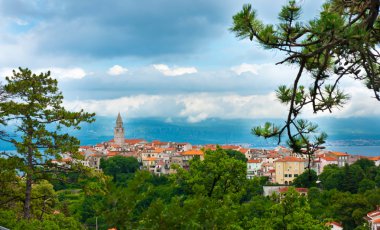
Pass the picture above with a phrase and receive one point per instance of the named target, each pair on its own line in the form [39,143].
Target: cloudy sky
[155,58]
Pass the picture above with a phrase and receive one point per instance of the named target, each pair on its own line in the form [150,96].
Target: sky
[156,58]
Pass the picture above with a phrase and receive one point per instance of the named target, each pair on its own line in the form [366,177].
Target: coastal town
[196,115]
[280,165]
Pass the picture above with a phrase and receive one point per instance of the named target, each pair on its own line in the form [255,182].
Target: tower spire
[119,121]
[119,131]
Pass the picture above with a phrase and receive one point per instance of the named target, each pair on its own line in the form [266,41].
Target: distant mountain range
[342,132]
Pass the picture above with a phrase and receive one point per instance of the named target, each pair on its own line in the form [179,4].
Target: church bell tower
[119,131]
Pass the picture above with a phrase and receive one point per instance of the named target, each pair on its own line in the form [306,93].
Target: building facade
[288,168]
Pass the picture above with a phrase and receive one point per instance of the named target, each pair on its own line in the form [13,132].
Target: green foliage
[292,212]
[37,112]
[119,167]
[306,180]
[210,178]
[358,177]
[236,154]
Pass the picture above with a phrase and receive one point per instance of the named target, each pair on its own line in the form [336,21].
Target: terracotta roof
[340,154]
[230,147]
[243,150]
[149,159]
[157,142]
[376,221]
[290,159]
[374,213]
[272,155]
[333,223]
[158,150]
[112,153]
[329,158]
[134,141]
[272,170]
[192,152]
[374,158]
[254,161]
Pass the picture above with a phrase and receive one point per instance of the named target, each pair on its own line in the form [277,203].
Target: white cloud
[244,68]
[55,72]
[117,70]
[194,107]
[64,73]
[175,71]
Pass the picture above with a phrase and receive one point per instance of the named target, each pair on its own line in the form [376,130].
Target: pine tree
[36,111]
[342,42]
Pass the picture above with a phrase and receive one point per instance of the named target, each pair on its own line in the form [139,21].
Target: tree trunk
[309,167]
[28,188]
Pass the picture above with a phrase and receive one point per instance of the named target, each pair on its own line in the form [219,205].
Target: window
[295,175]
[286,175]
[290,175]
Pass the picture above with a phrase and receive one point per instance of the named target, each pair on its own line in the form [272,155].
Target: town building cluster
[280,165]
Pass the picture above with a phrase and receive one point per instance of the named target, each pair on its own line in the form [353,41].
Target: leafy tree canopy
[119,167]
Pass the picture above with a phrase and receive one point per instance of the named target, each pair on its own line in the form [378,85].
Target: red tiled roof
[149,159]
[340,154]
[158,150]
[243,150]
[230,147]
[192,152]
[290,159]
[329,158]
[254,161]
[374,213]
[376,221]
[333,223]
[374,158]
[133,141]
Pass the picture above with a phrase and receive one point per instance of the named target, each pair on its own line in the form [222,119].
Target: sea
[357,136]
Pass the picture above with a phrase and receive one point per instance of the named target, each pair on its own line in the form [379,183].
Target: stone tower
[119,131]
